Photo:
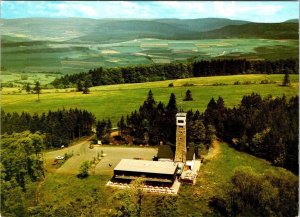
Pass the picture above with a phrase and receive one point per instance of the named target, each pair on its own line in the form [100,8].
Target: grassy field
[113,101]
[68,57]
[20,79]
[214,177]
[61,188]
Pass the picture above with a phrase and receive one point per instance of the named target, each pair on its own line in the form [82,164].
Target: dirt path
[78,149]
[214,151]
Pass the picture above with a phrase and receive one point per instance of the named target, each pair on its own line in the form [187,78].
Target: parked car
[59,157]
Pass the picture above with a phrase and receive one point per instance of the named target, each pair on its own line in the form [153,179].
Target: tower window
[181,121]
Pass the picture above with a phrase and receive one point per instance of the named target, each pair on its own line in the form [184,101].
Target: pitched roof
[166,151]
[146,166]
[190,152]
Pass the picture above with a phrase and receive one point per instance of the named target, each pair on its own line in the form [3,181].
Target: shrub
[219,205]
[24,77]
[247,82]
[171,85]
[84,169]
[265,81]
[219,84]
[187,84]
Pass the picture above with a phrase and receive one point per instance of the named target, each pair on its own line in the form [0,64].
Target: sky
[256,11]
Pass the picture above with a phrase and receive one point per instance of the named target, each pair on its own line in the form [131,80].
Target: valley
[75,57]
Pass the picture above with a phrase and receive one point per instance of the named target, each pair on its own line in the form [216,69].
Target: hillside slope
[203,24]
[85,29]
[286,30]
[214,178]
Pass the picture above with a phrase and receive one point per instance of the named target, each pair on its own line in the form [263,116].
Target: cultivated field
[113,101]
[70,57]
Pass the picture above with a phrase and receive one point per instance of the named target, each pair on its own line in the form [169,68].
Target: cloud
[268,9]
[184,9]
[74,10]
[253,11]
[228,9]
[236,9]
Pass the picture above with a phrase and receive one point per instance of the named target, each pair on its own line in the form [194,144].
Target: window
[181,121]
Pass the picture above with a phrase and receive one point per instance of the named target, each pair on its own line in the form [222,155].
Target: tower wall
[180,154]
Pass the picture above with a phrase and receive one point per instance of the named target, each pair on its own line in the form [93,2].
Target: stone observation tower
[180,154]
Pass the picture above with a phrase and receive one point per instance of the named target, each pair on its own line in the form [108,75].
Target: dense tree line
[103,130]
[21,164]
[156,72]
[253,194]
[242,66]
[267,128]
[60,126]
[155,122]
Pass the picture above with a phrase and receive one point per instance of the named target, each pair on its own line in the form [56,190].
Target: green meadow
[214,178]
[113,101]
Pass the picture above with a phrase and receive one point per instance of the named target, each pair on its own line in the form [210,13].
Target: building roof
[181,114]
[166,151]
[146,166]
[190,152]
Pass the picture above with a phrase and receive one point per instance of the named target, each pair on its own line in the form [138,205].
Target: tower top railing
[181,114]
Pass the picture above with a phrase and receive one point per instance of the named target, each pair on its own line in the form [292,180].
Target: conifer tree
[86,86]
[121,126]
[286,80]
[27,88]
[188,96]
[37,89]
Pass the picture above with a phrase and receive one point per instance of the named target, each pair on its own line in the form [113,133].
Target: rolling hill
[107,30]
[203,24]
[72,45]
[286,30]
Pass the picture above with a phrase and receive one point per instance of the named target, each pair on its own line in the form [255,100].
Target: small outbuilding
[190,157]
[166,153]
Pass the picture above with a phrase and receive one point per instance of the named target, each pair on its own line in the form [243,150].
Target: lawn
[113,101]
[214,177]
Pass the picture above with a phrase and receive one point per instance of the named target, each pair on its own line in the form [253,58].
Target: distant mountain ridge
[292,21]
[286,30]
[115,30]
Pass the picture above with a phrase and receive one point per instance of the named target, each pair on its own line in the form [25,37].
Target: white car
[59,158]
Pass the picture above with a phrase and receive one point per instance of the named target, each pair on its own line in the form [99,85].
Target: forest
[157,72]
[59,127]
[265,127]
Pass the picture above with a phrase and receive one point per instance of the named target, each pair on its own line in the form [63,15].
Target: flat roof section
[181,114]
[146,166]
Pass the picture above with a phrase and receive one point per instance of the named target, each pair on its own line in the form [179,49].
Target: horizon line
[159,18]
